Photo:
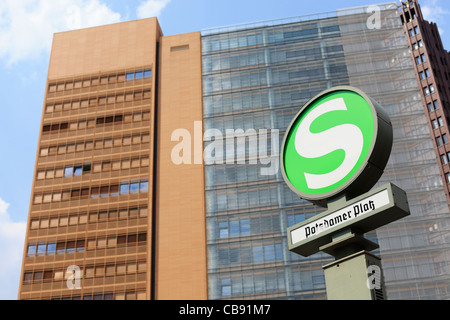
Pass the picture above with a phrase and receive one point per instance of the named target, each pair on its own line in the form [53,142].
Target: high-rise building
[433,72]
[157,171]
[101,169]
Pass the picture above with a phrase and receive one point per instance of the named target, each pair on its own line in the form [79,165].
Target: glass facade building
[257,77]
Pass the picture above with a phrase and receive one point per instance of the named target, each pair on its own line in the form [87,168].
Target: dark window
[435,104]
[109,119]
[80,245]
[48,275]
[142,237]
[60,247]
[75,193]
[108,296]
[122,240]
[86,167]
[38,276]
[95,192]
[27,277]
[132,238]
[114,190]
[70,247]
[104,191]
[330,29]
[85,192]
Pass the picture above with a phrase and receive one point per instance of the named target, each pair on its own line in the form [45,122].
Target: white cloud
[12,237]
[27,26]
[433,11]
[151,8]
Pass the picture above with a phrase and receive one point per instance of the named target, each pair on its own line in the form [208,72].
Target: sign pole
[333,153]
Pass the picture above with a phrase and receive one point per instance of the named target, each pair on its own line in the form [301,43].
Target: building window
[426,91]
[435,124]
[51,248]
[439,141]
[140,74]
[31,250]
[134,187]
[448,177]
[444,159]
[418,61]
[440,121]
[431,88]
[226,287]
[41,249]
[78,170]
[435,105]
[444,138]
[68,171]
[416,30]
[422,75]
[420,44]
[427,73]
[124,188]
[422,57]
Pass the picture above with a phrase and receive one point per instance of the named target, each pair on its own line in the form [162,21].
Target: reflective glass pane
[31,251]
[51,248]
[68,171]
[134,187]
[124,188]
[130,76]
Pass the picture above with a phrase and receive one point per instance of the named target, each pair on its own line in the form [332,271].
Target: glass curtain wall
[414,250]
[255,80]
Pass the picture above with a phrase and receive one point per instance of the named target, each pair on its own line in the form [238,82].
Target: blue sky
[26,30]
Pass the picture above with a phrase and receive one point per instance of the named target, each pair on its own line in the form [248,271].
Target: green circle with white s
[328,143]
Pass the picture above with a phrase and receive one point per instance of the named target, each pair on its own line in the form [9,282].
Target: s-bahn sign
[337,147]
